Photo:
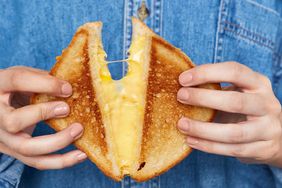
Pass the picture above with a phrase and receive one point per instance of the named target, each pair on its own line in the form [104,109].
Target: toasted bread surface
[73,66]
[163,146]
[159,144]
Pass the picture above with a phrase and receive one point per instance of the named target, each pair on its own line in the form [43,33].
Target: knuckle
[64,163]
[278,130]
[44,111]
[275,150]
[238,151]
[275,107]
[192,97]
[199,74]
[236,69]
[10,124]
[24,149]
[265,80]
[275,129]
[271,153]
[39,165]
[193,127]
[55,85]
[237,135]
[278,108]
[15,76]
[237,104]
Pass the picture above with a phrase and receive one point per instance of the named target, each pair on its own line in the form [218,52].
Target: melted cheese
[124,102]
[132,96]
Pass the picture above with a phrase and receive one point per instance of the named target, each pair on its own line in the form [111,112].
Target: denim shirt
[33,33]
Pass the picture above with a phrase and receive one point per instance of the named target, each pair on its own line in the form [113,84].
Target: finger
[55,161]
[42,144]
[25,80]
[231,72]
[14,120]
[247,150]
[250,131]
[45,162]
[229,101]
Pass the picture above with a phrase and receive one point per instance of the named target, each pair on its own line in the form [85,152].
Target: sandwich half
[129,124]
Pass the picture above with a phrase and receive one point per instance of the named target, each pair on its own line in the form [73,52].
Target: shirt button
[143,11]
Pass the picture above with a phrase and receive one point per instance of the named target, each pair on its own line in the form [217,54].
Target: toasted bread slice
[163,146]
[75,65]
[129,124]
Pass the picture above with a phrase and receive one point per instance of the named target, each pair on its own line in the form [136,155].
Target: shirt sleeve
[10,171]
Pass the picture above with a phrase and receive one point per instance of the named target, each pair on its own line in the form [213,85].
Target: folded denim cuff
[10,171]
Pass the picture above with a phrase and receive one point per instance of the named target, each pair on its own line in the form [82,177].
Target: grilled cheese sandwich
[129,124]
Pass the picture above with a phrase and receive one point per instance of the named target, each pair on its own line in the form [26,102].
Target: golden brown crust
[83,104]
[86,96]
[160,135]
[171,165]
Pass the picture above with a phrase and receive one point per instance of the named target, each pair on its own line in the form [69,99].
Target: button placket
[151,13]
[143,11]
[219,34]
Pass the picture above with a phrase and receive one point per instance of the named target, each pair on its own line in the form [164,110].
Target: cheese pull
[129,124]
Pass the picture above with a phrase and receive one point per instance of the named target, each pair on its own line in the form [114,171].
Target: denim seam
[247,34]
[219,37]
[124,26]
[151,14]
[154,21]
[161,17]
[157,16]
[263,7]
[254,33]
[245,37]
[126,30]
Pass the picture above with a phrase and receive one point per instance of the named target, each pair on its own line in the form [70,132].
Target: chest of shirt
[208,31]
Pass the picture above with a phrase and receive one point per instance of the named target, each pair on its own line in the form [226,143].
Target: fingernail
[182,94]
[76,130]
[183,125]
[185,78]
[61,109]
[192,141]
[66,89]
[81,156]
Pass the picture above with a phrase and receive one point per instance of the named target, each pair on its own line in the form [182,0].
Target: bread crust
[57,125]
[164,56]
[179,61]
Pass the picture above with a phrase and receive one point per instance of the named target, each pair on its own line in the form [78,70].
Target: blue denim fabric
[33,32]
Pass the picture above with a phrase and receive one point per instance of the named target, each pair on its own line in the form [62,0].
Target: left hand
[256,139]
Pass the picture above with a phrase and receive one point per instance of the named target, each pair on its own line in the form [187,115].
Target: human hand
[257,138]
[17,119]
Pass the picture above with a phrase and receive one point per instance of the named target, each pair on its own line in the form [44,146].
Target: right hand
[17,119]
